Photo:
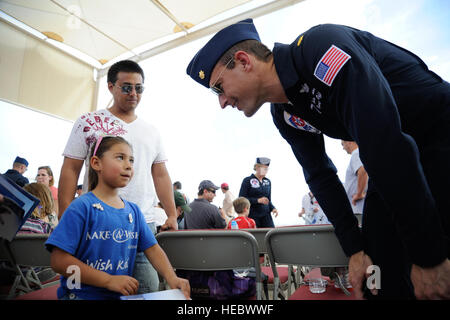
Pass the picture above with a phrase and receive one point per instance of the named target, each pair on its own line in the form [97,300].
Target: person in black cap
[257,189]
[15,174]
[205,215]
[350,85]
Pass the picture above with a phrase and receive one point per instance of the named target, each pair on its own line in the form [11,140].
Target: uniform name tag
[328,67]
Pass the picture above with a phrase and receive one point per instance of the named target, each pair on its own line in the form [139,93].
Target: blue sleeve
[68,233]
[390,156]
[271,206]
[245,191]
[320,175]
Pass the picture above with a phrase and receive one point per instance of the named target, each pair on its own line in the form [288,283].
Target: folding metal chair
[26,251]
[286,273]
[211,250]
[313,246]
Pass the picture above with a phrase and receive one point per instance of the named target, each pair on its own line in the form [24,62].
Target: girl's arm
[61,260]
[161,263]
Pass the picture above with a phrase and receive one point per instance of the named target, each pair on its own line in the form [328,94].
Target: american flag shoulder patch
[330,64]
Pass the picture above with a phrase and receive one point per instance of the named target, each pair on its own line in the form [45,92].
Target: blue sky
[204,142]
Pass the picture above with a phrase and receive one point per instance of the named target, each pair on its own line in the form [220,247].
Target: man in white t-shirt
[355,178]
[125,82]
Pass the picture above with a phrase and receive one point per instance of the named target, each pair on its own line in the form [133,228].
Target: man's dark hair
[124,66]
[253,47]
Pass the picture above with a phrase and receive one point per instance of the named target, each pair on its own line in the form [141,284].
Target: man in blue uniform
[15,174]
[257,189]
[351,85]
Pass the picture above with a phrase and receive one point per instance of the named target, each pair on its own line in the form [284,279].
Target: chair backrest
[208,250]
[314,246]
[29,250]
[260,236]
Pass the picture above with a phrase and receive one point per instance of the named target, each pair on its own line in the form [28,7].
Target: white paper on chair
[173,294]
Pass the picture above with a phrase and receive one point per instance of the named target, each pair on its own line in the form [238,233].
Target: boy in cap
[15,174]
[353,86]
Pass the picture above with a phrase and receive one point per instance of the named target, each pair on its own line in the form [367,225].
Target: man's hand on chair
[358,264]
[170,225]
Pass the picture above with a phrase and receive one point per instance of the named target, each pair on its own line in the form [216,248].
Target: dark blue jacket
[16,177]
[386,100]
[252,189]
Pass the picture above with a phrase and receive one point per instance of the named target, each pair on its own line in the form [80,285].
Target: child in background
[242,207]
[44,218]
[100,233]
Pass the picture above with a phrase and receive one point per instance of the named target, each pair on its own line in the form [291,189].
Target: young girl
[99,234]
[43,219]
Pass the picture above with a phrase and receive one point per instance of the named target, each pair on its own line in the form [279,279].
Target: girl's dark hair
[105,145]
[123,66]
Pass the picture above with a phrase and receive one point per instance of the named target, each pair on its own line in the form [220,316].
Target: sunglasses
[128,88]
[213,191]
[217,88]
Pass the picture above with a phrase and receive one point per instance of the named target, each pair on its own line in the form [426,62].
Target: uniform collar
[13,171]
[283,61]
[254,176]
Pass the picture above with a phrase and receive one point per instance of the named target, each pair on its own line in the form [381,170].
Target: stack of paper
[174,294]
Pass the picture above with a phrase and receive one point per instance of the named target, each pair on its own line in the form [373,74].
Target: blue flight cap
[21,160]
[263,160]
[202,65]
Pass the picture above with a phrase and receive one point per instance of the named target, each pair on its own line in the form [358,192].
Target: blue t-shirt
[102,237]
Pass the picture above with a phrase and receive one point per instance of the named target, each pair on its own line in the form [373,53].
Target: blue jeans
[144,271]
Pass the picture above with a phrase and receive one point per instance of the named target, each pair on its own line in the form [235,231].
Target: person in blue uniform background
[257,189]
[351,85]
[15,174]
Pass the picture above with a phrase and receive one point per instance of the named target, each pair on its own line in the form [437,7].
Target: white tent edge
[99,71]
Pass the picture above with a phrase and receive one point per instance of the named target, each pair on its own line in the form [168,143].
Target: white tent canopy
[50,48]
